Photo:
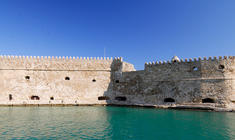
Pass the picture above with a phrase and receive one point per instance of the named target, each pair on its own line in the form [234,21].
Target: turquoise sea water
[118,123]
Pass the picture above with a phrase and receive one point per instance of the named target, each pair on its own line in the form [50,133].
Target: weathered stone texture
[180,84]
[186,82]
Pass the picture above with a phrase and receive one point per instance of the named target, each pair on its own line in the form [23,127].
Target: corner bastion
[199,83]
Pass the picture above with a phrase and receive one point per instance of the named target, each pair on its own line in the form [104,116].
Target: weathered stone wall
[48,80]
[186,82]
[199,83]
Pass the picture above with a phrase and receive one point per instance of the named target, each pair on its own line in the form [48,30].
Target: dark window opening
[169,100]
[117,81]
[35,98]
[174,61]
[27,77]
[10,97]
[208,100]
[195,68]
[93,80]
[120,98]
[103,98]
[51,98]
[221,67]
[67,78]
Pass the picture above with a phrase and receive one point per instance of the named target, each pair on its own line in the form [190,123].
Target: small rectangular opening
[103,98]
[10,97]
[120,98]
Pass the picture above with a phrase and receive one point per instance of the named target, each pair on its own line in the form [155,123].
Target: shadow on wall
[205,87]
[109,95]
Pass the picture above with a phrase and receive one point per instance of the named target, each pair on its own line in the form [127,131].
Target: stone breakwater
[197,83]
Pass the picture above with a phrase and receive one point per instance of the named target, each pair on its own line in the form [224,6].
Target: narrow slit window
[10,97]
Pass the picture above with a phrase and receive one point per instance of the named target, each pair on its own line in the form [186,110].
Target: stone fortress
[207,83]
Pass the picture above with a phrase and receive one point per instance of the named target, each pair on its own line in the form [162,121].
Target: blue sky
[138,30]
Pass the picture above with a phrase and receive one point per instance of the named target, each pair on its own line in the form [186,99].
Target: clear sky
[138,30]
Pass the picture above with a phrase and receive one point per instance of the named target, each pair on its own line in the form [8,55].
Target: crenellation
[84,79]
[215,58]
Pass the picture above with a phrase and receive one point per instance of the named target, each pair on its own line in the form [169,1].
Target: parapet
[12,57]
[57,62]
[190,60]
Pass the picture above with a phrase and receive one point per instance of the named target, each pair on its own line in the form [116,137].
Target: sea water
[119,123]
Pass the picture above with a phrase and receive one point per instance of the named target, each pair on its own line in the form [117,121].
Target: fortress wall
[56,63]
[80,89]
[186,82]
[88,79]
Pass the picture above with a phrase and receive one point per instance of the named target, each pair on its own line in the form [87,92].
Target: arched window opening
[51,98]
[35,97]
[117,81]
[10,97]
[221,67]
[195,68]
[27,77]
[208,100]
[120,98]
[93,80]
[103,98]
[169,100]
[67,78]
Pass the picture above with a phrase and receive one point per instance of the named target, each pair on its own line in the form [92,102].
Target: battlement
[190,60]
[63,80]
[12,57]
[57,63]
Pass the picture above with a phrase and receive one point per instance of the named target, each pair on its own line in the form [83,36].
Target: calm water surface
[113,123]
